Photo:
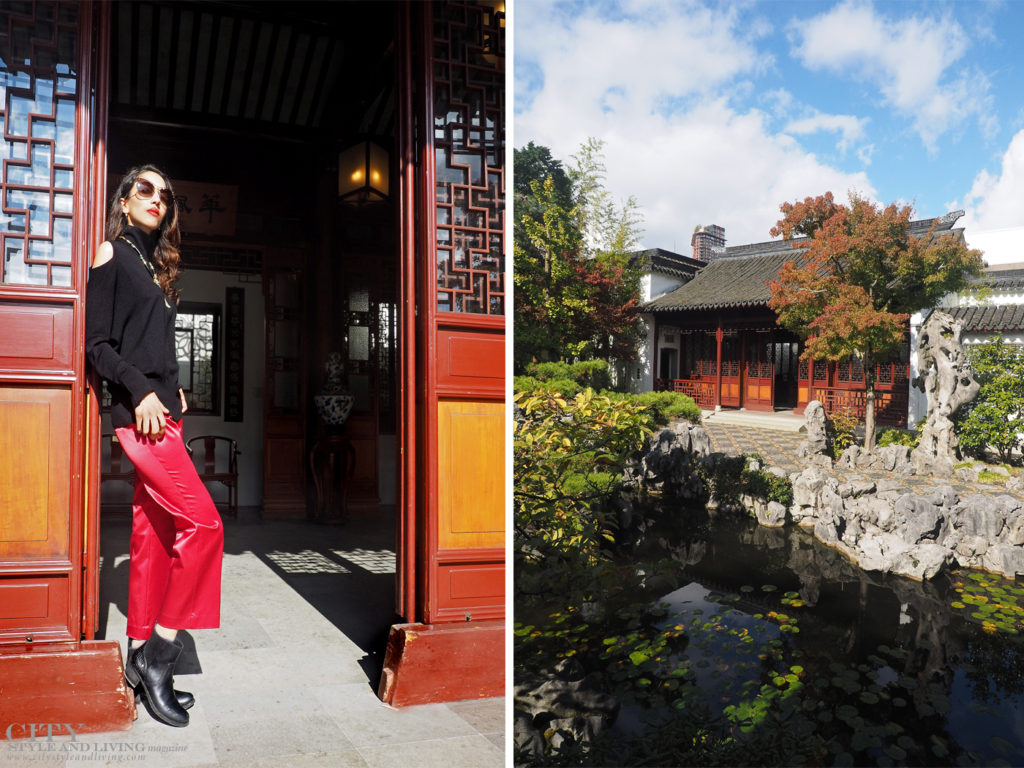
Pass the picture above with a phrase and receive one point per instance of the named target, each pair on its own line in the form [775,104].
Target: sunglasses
[146,189]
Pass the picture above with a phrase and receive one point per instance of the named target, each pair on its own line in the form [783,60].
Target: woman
[177,540]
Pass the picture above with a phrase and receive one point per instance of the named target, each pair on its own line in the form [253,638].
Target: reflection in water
[891,651]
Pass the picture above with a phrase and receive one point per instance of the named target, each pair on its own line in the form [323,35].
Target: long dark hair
[166,256]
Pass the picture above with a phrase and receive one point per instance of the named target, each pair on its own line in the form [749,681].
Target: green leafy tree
[577,294]
[995,419]
[858,277]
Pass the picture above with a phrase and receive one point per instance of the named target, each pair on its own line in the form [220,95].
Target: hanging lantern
[363,173]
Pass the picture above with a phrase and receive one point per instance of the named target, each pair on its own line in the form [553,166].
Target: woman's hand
[151,417]
[184,405]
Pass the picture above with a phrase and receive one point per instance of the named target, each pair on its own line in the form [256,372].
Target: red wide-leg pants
[177,538]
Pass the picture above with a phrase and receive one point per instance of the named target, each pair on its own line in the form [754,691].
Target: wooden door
[452,424]
[284,392]
[50,194]
[759,372]
[732,352]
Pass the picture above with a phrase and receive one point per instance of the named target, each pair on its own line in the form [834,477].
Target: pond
[770,641]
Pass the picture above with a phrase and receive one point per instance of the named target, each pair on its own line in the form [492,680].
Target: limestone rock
[529,741]
[1016,484]
[948,384]
[1004,559]
[819,432]
[922,562]
[668,463]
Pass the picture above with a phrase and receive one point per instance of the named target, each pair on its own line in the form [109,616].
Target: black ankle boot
[153,664]
[184,698]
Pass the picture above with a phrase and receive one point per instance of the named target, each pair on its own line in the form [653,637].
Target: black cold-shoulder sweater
[129,330]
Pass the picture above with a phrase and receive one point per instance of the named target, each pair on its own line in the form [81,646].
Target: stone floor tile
[497,739]
[235,633]
[263,668]
[259,704]
[369,722]
[485,715]
[26,754]
[150,743]
[455,752]
[266,738]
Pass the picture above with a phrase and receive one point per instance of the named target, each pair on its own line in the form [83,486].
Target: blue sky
[714,113]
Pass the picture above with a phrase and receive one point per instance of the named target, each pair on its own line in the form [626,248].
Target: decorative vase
[334,403]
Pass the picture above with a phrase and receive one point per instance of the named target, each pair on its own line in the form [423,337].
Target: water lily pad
[899,701]
[896,753]
[844,759]
[868,698]
[846,712]
[746,588]
[958,605]
[768,588]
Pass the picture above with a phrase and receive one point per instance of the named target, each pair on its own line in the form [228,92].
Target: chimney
[708,242]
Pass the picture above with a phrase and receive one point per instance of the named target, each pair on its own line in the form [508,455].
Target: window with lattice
[197,341]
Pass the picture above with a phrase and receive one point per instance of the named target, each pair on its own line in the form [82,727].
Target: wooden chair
[218,462]
[114,465]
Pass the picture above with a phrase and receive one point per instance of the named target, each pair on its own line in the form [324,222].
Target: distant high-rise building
[707,242]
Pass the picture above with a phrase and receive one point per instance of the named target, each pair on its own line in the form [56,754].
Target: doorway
[249,107]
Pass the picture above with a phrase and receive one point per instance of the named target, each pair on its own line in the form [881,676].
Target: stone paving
[778,448]
[288,680]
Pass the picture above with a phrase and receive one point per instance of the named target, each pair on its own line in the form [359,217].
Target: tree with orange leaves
[858,276]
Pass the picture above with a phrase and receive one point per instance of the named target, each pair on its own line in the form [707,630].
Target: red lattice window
[38,81]
[469,147]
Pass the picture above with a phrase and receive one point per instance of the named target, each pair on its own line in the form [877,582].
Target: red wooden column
[451,532]
[718,365]
[51,189]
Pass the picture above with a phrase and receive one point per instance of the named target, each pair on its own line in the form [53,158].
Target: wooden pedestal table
[330,480]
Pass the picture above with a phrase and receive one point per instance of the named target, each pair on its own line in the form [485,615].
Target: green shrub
[990,476]
[524,383]
[843,426]
[666,407]
[995,419]
[731,477]
[586,373]
[896,436]
[765,485]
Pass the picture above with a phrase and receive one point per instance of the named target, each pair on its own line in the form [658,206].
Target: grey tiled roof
[729,282]
[1002,317]
[740,278]
[666,262]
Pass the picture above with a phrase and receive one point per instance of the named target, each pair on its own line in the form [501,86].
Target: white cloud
[865,153]
[660,88]
[910,60]
[849,128]
[997,201]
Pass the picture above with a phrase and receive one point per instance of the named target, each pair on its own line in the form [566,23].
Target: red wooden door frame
[65,676]
[455,654]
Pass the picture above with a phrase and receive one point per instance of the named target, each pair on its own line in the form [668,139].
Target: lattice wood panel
[469,142]
[38,85]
